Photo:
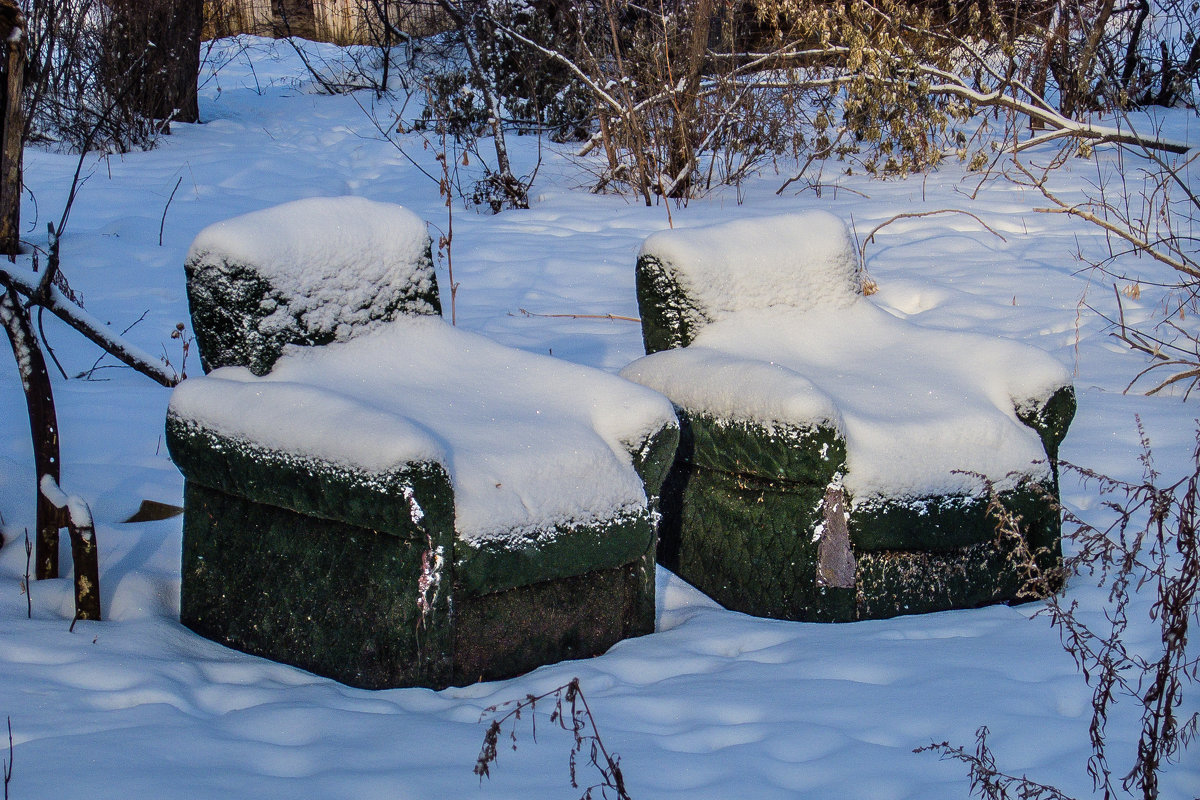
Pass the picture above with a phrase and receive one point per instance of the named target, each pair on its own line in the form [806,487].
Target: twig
[162,222]
[91,328]
[8,764]
[28,586]
[862,251]
[614,317]
[46,343]
[87,374]
[572,714]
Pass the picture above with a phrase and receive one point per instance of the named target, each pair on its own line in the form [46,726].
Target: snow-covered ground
[714,704]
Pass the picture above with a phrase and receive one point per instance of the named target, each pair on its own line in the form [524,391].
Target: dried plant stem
[572,714]
[1150,547]
[525,313]
[8,765]
[28,587]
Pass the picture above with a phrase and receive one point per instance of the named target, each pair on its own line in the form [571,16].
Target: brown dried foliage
[1148,545]
[570,712]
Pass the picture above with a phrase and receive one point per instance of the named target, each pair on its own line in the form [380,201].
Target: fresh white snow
[529,441]
[340,263]
[919,407]
[714,704]
[804,260]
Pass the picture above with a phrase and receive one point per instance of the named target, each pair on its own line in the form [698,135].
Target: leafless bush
[94,80]
[688,95]
[384,40]
[1148,545]
[1147,207]
[570,712]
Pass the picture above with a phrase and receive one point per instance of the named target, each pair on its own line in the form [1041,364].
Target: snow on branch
[50,297]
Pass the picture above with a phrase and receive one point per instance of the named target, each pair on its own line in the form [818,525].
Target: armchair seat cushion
[924,412]
[538,452]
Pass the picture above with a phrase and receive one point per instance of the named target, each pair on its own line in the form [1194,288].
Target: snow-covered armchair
[835,460]
[404,503]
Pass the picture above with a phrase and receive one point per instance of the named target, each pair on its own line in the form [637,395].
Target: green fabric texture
[325,596]
[748,543]
[234,321]
[653,457]
[949,522]
[808,454]
[321,566]
[535,556]
[1050,418]
[312,487]
[744,535]
[507,633]
[331,569]
[482,567]
[891,583]
[742,504]
[340,601]
[669,318]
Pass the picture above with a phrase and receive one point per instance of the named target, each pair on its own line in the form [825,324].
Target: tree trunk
[154,56]
[294,18]
[55,510]
[471,30]
[43,423]
[12,126]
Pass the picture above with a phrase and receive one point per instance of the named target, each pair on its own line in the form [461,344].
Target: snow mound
[340,264]
[803,260]
[530,442]
[917,406]
[730,386]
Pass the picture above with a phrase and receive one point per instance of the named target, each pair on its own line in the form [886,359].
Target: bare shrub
[569,712]
[1146,206]
[688,95]
[1149,544]
[93,80]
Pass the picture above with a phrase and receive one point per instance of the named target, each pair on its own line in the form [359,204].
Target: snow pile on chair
[410,504]
[815,397]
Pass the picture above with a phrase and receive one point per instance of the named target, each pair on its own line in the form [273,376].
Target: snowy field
[715,704]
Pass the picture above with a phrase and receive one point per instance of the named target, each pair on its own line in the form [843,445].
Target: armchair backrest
[688,278]
[307,272]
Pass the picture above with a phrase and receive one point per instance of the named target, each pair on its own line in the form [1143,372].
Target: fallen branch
[613,317]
